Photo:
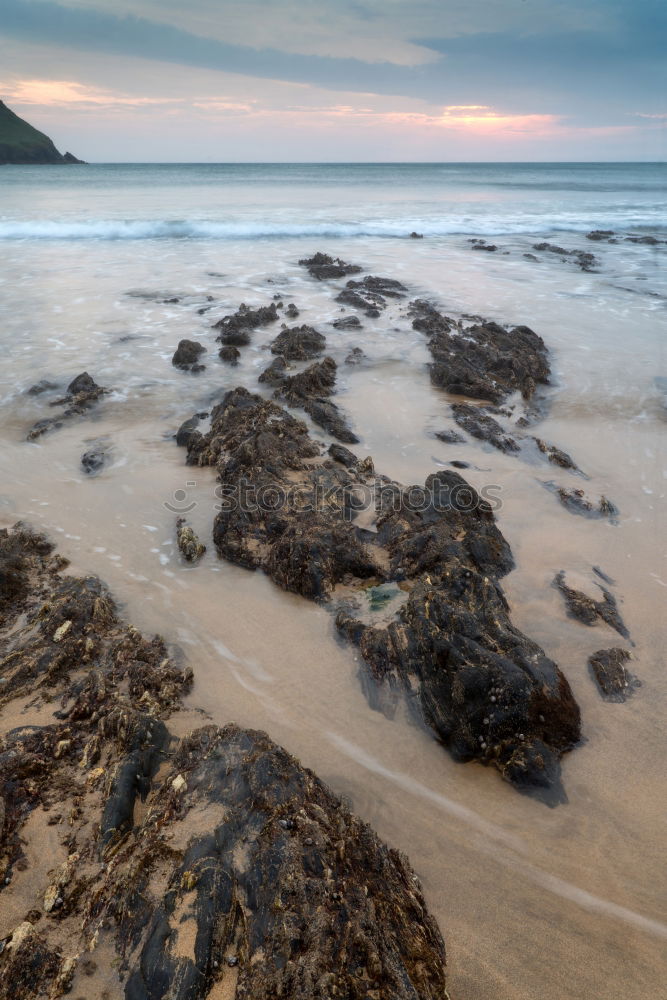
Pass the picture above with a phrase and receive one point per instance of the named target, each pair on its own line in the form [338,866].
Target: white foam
[145,229]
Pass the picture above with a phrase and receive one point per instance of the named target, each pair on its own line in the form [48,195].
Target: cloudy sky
[273,80]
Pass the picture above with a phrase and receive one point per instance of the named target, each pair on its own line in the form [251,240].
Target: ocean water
[232,201]
[106,268]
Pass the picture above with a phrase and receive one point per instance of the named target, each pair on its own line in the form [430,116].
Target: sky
[340,80]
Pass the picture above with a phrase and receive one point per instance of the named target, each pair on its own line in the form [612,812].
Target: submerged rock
[599,234]
[42,386]
[577,502]
[584,259]
[587,610]
[229,354]
[211,865]
[484,360]
[355,357]
[608,670]
[96,457]
[347,323]
[82,394]
[298,343]
[309,390]
[321,266]
[371,294]
[556,456]
[191,548]
[275,373]
[480,425]
[187,356]
[235,328]
[489,692]
[450,437]
[188,428]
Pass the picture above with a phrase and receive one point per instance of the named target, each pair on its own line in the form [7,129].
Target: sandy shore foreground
[152,849]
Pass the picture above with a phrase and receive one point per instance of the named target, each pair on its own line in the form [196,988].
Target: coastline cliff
[20,143]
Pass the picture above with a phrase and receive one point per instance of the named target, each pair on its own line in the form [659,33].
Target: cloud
[97,30]
[69,93]
[591,59]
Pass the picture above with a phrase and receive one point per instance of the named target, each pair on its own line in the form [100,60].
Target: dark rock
[483,245]
[369,305]
[604,576]
[450,437]
[577,502]
[457,464]
[371,294]
[187,355]
[317,380]
[343,455]
[190,546]
[309,389]
[387,287]
[608,670]
[485,360]
[188,428]
[556,456]
[530,256]
[416,236]
[489,692]
[292,312]
[584,260]
[600,234]
[347,323]
[322,266]
[647,240]
[298,343]
[480,425]
[218,851]
[94,459]
[82,394]
[229,354]
[235,328]
[274,374]
[589,611]
[42,386]
[83,383]
[355,357]
[326,414]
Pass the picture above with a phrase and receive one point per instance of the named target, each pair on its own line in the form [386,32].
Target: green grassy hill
[21,143]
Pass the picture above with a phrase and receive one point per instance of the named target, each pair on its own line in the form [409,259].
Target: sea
[105,268]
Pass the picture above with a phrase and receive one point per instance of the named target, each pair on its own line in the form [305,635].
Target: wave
[159,229]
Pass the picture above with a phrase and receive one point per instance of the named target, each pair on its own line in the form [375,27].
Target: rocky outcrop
[483,360]
[310,390]
[187,354]
[298,343]
[585,260]
[480,425]
[321,266]
[210,866]
[488,691]
[235,329]
[371,294]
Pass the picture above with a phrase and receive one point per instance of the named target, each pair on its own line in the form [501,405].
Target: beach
[105,270]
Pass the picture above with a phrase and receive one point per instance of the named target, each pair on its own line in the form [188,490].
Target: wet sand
[565,903]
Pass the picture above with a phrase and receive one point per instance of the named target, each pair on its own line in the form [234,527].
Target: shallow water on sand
[566,903]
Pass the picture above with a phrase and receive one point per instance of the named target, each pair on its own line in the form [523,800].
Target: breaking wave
[157,229]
